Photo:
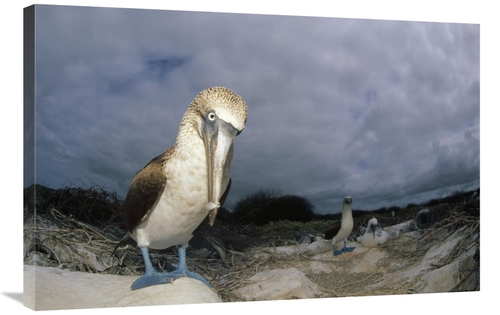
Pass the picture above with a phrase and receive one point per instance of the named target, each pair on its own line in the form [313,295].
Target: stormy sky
[385,111]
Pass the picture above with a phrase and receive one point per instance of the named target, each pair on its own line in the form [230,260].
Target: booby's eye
[211,115]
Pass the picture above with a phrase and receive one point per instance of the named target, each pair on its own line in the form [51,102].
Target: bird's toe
[151,279]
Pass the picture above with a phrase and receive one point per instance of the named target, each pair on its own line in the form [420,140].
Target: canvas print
[181,157]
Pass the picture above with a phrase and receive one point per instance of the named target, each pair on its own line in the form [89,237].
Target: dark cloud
[385,111]
[161,67]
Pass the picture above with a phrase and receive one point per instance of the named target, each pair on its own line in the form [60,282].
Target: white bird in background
[340,231]
[374,235]
[169,198]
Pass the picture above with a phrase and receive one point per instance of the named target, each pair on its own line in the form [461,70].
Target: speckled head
[223,102]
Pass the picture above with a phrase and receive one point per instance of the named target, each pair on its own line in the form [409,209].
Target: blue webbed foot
[153,277]
[337,252]
[182,270]
[196,276]
[343,250]
[150,279]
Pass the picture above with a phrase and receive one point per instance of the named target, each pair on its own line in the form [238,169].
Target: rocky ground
[435,252]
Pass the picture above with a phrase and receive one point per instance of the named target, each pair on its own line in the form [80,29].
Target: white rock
[369,261]
[447,277]
[279,284]
[320,267]
[398,229]
[55,289]
[319,247]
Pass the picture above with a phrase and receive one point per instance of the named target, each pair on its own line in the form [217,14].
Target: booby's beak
[218,137]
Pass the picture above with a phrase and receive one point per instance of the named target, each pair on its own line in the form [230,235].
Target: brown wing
[144,190]
[332,231]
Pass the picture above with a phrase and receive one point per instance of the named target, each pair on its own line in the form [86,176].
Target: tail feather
[126,240]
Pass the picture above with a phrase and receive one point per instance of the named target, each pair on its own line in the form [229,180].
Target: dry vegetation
[63,228]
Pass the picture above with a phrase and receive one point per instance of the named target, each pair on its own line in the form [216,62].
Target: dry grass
[231,256]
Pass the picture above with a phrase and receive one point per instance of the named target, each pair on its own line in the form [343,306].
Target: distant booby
[340,231]
[374,235]
[169,198]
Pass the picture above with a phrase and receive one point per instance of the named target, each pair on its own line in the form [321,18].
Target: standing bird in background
[169,198]
[374,235]
[340,231]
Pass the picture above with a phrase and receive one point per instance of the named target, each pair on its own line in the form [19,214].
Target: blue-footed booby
[169,198]
[340,231]
[374,235]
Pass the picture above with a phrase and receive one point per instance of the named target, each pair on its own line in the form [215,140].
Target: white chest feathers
[181,207]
